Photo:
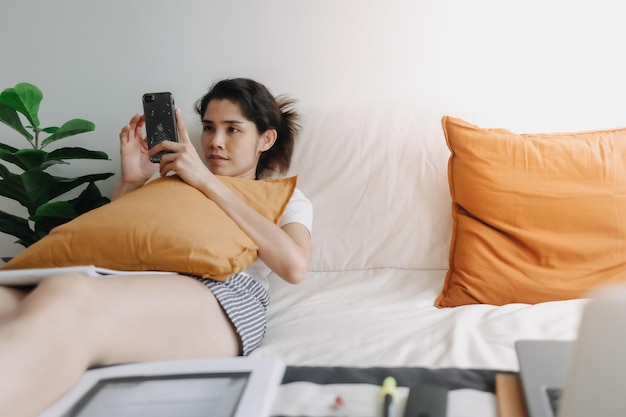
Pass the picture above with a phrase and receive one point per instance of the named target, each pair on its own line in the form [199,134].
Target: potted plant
[34,188]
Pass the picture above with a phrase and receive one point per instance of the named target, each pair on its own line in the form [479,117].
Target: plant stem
[36,142]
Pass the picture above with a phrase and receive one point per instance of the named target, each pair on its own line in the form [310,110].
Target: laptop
[580,378]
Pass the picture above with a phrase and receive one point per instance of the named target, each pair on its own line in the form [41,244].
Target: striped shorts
[245,302]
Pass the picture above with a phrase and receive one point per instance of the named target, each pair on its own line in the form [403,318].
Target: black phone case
[158,109]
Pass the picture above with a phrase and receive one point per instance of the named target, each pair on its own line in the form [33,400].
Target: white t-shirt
[298,210]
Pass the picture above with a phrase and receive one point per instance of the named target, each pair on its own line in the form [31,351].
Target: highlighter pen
[389,391]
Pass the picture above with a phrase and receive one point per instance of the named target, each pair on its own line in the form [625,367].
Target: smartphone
[158,109]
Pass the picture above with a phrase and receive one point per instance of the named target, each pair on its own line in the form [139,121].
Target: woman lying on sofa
[68,323]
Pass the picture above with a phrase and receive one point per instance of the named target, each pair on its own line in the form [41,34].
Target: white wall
[527,65]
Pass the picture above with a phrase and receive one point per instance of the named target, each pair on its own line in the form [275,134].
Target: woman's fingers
[139,122]
[183,136]
[133,129]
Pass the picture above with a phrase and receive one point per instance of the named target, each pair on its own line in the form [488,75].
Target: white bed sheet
[386,317]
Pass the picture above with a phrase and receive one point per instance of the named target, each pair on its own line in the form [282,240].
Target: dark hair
[259,105]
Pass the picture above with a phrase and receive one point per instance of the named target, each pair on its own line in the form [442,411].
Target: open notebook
[32,276]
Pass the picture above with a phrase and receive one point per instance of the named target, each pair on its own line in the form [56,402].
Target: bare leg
[70,322]
[10,298]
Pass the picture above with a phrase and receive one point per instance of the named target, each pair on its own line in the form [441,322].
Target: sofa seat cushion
[536,217]
[387,317]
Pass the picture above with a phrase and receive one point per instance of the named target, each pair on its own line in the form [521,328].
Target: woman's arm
[286,251]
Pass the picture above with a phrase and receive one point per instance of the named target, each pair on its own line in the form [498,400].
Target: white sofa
[377,177]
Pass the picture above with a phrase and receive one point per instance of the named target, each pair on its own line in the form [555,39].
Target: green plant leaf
[8,147]
[63,185]
[58,209]
[38,187]
[71,128]
[89,199]
[11,186]
[33,159]
[23,98]
[76,153]
[4,172]
[9,117]
[27,159]
[41,187]
[34,188]
[10,157]
[18,227]
[51,215]
[51,162]
[45,225]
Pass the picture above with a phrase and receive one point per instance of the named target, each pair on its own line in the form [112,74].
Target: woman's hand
[182,158]
[136,165]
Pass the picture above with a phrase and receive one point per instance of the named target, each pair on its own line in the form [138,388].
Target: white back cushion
[377,178]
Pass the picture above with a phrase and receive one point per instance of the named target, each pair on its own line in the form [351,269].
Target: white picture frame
[148,389]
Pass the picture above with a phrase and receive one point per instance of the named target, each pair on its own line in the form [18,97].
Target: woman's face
[230,142]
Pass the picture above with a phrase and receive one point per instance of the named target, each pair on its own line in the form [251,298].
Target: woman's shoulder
[298,195]
[299,209]
[299,199]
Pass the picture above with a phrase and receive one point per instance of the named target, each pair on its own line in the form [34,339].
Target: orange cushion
[165,225]
[536,217]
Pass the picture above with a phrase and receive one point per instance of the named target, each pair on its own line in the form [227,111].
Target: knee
[59,312]
[10,299]
[65,294]
[65,281]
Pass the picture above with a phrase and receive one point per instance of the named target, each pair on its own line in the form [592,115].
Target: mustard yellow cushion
[165,225]
[536,217]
